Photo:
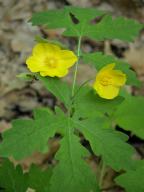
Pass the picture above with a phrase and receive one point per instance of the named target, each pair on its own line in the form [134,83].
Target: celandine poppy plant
[79,115]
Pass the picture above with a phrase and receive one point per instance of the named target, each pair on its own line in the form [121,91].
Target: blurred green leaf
[132,180]
[39,179]
[12,178]
[26,76]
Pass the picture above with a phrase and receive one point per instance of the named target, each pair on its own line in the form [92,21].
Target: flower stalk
[76,66]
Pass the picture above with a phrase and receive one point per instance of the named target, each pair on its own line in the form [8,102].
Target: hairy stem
[76,66]
[102,173]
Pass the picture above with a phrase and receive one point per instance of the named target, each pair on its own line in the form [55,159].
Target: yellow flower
[109,81]
[50,60]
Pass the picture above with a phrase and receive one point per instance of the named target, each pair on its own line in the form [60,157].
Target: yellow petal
[118,78]
[50,60]
[47,73]
[62,73]
[45,49]
[108,82]
[34,64]
[107,68]
[106,92]
[54,73]
[67,58]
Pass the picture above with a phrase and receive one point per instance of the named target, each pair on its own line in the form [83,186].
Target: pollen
[51,63]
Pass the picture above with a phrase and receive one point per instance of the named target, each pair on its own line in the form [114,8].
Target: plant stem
[81,87]
[102,173]
[76,66]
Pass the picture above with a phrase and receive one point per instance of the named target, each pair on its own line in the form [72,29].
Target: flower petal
[107,92]
[50,60]
[67,58]
[34,64]
[107,68]
[45,49]
[118,78]
[54,73]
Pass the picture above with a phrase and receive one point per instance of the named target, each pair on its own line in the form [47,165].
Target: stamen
[51,62]
[105,81]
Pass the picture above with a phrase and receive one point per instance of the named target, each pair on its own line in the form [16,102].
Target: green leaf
[58,88]
[80,22]
[12,179]
[88,103]
[28,136]
[130,115]
[39,179]
[64,18]
[118,28]
[26,76]
[52,18]
[82,18]
[132,180]
[72,172]
[108,143]
[99,60]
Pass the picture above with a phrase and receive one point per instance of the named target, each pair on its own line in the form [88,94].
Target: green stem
[76,66]
[84,83]
[102,173]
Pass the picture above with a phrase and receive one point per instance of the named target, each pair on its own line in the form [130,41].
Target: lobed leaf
[52,18]
[130,115]
[81,19]
[73,19]
[108,143]
[28,136]
[114,28]
[81,22]
[72,172]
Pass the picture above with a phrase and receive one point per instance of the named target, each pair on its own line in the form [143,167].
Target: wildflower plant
[90,111]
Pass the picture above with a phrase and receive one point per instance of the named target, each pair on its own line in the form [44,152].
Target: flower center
[105,81]
[51,62]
